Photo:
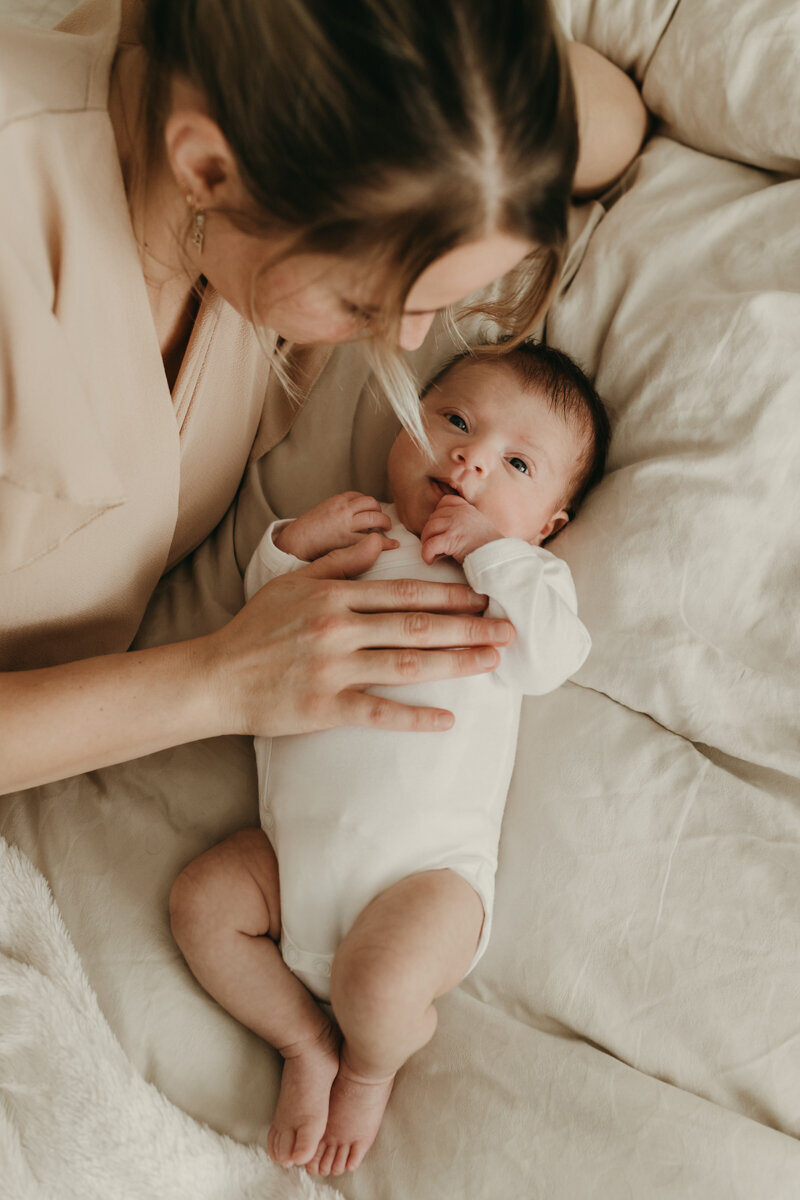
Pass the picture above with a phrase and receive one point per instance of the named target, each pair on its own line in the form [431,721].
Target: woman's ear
[201,159]
[552,527]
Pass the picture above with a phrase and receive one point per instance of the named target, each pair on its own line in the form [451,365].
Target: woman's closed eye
[358,314]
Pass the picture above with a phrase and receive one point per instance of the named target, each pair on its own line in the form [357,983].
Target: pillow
[725,79]
[626,31]
[35,12]
[687,557]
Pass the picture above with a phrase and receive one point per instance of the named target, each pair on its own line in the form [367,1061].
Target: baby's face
[500,447]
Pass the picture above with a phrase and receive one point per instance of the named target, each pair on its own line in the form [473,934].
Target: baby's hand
[340,521]
[455,528]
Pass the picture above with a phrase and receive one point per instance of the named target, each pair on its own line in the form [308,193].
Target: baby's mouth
[444,488]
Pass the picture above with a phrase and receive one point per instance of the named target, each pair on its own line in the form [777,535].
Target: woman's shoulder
[61,70]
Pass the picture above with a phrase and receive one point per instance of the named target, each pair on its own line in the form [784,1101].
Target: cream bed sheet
[634,1028]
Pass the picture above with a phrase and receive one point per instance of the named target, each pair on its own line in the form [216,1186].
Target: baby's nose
[471,456]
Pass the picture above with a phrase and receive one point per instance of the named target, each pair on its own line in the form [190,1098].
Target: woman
[252,176]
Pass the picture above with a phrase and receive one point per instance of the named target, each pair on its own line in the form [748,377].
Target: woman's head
[387,133]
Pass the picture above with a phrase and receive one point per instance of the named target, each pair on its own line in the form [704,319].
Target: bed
[634,1028]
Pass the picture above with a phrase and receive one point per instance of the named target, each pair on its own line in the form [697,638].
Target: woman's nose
[413,330]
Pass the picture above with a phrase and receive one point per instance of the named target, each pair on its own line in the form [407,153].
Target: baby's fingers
[451,502]
[436,523]
[367,520]
[435,547]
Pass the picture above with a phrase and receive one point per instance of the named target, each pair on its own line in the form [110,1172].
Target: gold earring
[198,224]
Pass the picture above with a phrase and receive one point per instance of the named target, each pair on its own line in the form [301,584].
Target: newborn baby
[387,842]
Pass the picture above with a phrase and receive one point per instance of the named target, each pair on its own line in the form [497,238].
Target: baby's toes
[293,1147]
[313,1164]
[305,1143]
[280,1143]
[340,1159]
[326,1154]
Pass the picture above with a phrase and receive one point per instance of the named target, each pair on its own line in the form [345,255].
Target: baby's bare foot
[357,1105]
[309,1069]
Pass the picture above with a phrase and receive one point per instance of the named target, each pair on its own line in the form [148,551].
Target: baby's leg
[225,914]
[412,944]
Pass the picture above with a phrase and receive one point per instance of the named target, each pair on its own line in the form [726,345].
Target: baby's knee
[191,901]
[203,897]
[230,890]
[372,986]
[384,1014]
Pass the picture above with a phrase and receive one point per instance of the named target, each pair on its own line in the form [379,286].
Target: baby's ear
[551,528]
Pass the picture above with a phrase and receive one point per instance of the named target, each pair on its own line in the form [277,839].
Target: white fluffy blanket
[76,1120]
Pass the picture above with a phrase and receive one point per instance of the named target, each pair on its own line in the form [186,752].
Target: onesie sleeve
[268,561]
[534,590]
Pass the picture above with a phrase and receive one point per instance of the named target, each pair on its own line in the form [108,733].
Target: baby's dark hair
[570,392]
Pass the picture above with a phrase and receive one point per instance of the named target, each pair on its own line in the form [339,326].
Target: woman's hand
[302,651]
[298,657]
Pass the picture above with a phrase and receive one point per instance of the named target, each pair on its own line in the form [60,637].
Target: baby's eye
[458,421]
[519,464]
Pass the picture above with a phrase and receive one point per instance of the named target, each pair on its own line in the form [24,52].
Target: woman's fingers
[376,712]
[389,595]
[402,612]
[412,595]
[388,668]
[350,539]
[424,631]
[347,562]
[392,668]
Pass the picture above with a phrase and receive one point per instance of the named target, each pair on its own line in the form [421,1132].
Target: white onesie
[350,811]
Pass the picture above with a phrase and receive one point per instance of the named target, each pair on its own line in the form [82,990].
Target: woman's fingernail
[445,720]
[502,631]
[487,657]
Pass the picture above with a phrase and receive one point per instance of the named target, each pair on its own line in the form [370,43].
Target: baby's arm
[612,119]
[525,583]
[286,545]
[534,590]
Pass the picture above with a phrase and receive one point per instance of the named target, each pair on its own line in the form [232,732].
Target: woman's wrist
[213,674]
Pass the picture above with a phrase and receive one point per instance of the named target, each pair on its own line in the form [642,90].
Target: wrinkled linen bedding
[634,1028]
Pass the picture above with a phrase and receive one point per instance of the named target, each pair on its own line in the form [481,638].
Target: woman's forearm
[298,657]
[61,721]
[612,119]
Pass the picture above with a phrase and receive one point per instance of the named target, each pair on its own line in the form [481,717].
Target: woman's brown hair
[391,131]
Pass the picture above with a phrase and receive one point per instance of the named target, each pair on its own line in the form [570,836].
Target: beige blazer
[106,479]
